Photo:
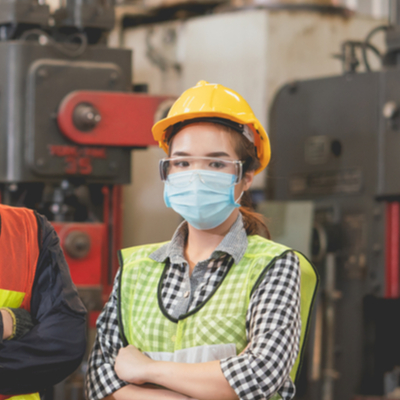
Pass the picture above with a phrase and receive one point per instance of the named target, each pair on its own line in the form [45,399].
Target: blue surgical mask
[203,198]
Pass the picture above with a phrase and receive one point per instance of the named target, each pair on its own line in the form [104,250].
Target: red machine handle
[111,118]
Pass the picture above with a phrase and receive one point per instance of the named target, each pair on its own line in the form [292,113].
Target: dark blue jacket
[55,346]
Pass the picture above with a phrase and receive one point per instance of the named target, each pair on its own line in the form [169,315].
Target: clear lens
[199,166]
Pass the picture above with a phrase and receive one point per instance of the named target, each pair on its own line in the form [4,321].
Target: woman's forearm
[145,392]
[203,381]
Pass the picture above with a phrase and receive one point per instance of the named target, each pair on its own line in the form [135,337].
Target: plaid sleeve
[101,379]
[273,328]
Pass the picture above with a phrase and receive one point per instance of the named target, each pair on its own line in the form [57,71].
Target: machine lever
[119,119]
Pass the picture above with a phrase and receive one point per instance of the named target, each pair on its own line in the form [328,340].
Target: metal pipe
[392,256]
[317,350]
[330,374]
[394,12]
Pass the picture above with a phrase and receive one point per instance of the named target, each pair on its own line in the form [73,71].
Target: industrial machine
[68,123]
[336,142]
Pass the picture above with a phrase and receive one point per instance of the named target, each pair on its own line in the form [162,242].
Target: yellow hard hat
[214,100]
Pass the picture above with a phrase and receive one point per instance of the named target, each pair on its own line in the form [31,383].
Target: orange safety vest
[19,252]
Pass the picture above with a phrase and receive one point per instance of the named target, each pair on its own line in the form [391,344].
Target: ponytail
[253,222]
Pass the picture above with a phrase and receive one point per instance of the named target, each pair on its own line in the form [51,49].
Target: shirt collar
[234,243]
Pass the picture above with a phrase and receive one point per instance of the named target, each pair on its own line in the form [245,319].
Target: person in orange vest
[42,319]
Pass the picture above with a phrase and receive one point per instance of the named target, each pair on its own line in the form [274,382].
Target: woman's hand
[7,324]
[131,365]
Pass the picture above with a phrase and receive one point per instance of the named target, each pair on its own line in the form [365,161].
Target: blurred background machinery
[336,143]
[254,48]
[68,123]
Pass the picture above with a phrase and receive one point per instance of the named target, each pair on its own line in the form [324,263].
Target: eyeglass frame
[238,163]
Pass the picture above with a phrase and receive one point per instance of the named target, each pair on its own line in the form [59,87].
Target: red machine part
[392,250]
[112,216]
[84,247]
[119,119]
[91,249]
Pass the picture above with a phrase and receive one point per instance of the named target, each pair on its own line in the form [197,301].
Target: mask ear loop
[238,199]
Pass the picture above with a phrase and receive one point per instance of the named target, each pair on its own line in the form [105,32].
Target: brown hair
[254,223]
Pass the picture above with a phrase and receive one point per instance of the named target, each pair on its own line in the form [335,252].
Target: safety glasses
[194,166]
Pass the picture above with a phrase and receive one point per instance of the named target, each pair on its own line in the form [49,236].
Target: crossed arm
[202,381]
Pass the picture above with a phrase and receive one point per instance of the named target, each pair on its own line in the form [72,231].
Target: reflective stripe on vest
[34,396]
[19,252]
[204,332]
[10,298]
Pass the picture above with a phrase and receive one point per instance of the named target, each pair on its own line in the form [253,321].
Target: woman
[214,313]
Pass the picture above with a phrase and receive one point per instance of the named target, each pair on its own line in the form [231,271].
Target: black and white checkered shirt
[272,323]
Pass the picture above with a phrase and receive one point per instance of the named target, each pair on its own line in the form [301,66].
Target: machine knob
[319,243]
[326,238]
[390,109]
[77,244]
[86,117]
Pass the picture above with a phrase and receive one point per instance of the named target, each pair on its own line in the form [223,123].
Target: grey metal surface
[33,81]
[330,374]
[317,115]
[389,131]
[333,145]
[356,115]
[86,14]
[23,12]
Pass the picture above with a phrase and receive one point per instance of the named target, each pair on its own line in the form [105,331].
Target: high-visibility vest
[217,328]
[19,252]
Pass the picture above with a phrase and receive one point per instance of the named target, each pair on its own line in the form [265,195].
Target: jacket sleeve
[55,346]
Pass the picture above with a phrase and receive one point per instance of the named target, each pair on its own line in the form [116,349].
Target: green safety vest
[217,328]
